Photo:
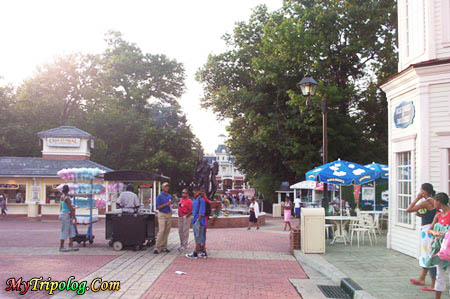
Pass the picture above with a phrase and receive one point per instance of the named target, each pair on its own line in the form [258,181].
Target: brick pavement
[242,263]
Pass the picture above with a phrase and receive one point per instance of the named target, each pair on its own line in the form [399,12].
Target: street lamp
[308,87]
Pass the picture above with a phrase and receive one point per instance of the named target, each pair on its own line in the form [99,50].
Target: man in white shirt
[297,202]
[128,200]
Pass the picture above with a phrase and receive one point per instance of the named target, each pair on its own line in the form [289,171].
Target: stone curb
[318,263]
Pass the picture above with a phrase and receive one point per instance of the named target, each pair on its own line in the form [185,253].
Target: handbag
[444,252]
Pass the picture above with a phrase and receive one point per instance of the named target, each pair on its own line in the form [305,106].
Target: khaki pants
[184,223]
[164,223]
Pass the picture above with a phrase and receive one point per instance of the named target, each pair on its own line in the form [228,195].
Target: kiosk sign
[64,142]
[404,114]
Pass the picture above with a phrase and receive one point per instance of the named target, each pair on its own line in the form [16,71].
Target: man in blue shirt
[198,221]
[163,203]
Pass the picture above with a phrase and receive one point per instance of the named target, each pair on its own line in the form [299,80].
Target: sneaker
[248,228]
[257,228]
[204,255]
[62,249]
[156,251]
[181,248]
[191,256]
[165,250]
[73,248]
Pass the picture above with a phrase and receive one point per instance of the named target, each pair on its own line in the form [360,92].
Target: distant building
[33,180]
[229,177]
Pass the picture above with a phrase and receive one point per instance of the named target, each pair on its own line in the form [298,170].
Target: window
[14,193]
[404,187]
[52,195]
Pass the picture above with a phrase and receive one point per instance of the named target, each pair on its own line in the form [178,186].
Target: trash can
[33,209]
[276,210]
[313,230]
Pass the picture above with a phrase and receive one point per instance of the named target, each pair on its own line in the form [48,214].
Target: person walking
[198,221]
[423,207]
[163,205]
[254,214]
[68,221]
[3,205]
[287,206]
[439,227]
[184,219]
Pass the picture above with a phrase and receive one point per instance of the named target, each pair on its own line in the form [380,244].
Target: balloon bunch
[100,203]
[79,173]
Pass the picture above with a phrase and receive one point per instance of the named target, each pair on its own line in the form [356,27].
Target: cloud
[358,171]
[351,166]
[339,173]
[317,170]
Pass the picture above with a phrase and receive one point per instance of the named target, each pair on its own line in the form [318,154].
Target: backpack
[207,208]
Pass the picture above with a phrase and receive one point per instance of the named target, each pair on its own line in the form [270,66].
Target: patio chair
[361,228]
[377,223]
[327,227]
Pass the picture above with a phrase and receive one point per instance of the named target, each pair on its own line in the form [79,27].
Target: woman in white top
[254,213]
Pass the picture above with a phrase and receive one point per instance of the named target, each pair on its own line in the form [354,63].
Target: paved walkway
[384,273]
[242,264]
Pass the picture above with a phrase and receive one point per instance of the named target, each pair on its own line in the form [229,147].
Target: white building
[419,115]
[229,176]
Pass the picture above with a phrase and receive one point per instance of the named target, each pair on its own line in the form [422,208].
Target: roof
[284,187]
[65,131]
[39,167]
[132,176]
[221,149]
[418,65]
[210,159]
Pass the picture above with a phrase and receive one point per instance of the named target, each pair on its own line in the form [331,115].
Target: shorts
[199,233]
[67,228]
[252,217]
[297,211]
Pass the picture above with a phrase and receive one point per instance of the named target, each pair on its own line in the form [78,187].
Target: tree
[341,43]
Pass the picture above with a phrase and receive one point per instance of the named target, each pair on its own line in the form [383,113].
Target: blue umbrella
[381,170]
[382,174]
[341,172]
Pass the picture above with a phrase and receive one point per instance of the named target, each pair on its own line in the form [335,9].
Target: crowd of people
[434,211]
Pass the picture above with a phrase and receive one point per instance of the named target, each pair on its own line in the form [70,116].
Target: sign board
[9,186]
[63,142]
[404,114]
[356,191]
[35,193]
[385,195]
[368,195]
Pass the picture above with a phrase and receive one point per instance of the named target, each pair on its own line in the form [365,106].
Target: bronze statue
[205,176]
[214,172]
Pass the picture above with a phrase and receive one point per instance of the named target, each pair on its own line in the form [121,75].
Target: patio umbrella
[341,172]
[381,174]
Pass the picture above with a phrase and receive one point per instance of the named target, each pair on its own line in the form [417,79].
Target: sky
[33,32]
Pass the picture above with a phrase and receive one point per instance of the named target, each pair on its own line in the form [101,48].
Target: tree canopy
[348,46]
[125,98]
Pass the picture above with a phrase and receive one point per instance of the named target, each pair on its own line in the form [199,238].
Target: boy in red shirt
[184,219]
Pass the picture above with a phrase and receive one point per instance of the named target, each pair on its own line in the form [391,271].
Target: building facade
[229,178]
[29,183]
[419,115]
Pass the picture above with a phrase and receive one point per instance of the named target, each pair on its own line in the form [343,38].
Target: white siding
[405,240]
[442,25]
[439,121]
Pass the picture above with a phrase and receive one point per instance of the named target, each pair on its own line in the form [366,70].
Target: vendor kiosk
[310,193]
[132,229]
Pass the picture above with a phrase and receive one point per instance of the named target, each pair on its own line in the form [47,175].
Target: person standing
[423,206]
[440,226]
[254,214]
[198,221]
[128,200]
[163,203]
[297,202]
[207,214]
[287,206]
[68,221]
[3,205]
[184,219]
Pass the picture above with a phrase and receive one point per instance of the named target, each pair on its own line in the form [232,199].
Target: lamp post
[308,87]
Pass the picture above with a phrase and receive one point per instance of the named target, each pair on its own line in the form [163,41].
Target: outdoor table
[340,233]
[381,213]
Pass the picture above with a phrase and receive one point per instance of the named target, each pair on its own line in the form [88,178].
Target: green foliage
[348,46]
[125,98]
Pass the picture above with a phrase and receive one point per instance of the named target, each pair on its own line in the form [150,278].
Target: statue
[214,172]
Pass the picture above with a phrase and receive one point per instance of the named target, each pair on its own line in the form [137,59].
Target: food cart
[310,193]
[132,229]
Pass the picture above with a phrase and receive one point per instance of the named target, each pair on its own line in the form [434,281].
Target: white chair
[347,212]
[327,227]
[360,228]
[377,223]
